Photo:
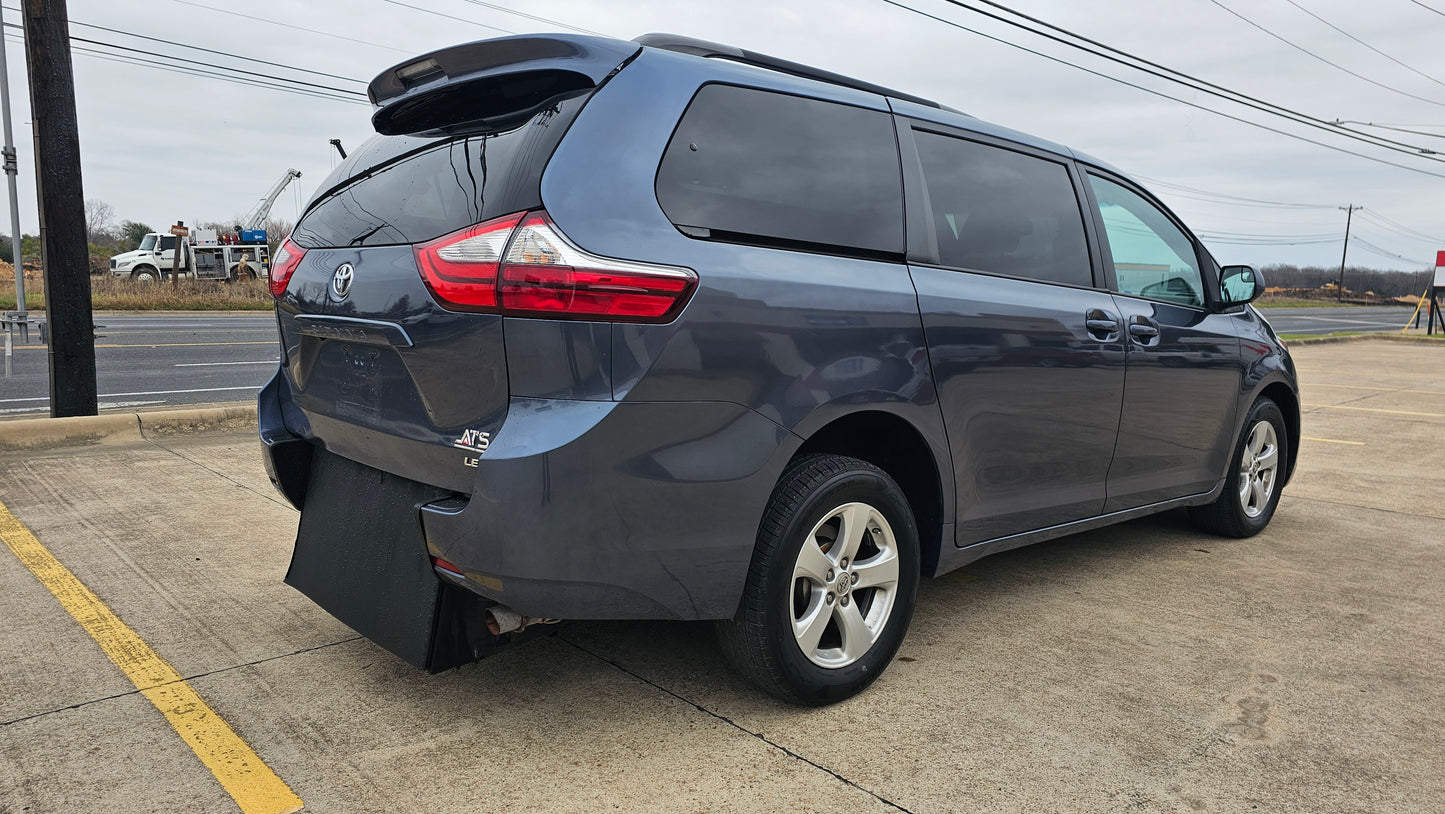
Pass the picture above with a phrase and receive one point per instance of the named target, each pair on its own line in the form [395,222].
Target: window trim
[770,241]
[918,205]
[1206,274]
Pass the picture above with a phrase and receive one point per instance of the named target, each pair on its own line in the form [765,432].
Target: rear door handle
[1101,324]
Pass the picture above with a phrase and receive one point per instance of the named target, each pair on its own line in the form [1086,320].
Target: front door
[1183,379]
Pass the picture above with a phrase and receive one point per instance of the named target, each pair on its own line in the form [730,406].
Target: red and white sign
[1440,269]
[180,231]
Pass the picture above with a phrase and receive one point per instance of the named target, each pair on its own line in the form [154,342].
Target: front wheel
[831,588]
[145,274]
[1252,489]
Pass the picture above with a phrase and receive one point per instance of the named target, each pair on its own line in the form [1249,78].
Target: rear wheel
[1252,489]
[832,584]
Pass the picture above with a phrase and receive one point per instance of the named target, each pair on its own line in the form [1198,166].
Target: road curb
[1330,340]
[34,434]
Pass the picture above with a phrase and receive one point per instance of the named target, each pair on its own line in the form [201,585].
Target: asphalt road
[1337,320]
[161,360]
[145,360]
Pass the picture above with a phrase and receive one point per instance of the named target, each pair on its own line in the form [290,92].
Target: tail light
[288,257]
[522,265]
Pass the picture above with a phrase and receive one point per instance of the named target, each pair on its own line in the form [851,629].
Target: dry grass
[123,294]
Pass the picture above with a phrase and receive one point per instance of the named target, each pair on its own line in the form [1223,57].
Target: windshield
[148,243]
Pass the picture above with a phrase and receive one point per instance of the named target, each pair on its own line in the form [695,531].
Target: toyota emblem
[341,281]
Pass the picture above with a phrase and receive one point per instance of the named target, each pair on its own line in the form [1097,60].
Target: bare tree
[99,222]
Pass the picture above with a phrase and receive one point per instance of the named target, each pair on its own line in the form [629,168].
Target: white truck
[203,256]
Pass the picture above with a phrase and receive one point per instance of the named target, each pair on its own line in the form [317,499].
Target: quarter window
[752,166]
[1003,212]
[1152,257]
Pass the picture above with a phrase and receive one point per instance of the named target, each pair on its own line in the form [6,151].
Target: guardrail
[13,322]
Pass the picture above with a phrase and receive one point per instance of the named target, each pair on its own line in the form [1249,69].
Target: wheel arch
[1284,396]
[893,444]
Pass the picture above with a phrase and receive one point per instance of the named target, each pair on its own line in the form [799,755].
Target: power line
[448,16]
[1390,225]
[1169,74]
[1362,42]
[327,88]
[1151,91]
[1368,246]
[189,71]
[506,10]
[292,27]
[1336,65]
[1427,8]
[211,51]
[1238,198]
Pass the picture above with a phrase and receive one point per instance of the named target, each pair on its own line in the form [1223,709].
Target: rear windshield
[437,189]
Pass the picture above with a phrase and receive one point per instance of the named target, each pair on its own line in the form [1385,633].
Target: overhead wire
[1128,60]
[1335,65]
[1428,8]
[228,54]
[1161,94]
[506,10]
[1362,42]
[1230,198]
[448,16]
[270,21]
[189,71]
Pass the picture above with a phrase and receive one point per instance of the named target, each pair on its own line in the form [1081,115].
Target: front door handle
[1143,329]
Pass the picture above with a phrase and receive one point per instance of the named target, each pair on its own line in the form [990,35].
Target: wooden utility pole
[65,255]
[1349,215]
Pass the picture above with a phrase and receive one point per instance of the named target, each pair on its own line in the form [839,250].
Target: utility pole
[11,170]
[1349,215]
[180,231]
[65,256]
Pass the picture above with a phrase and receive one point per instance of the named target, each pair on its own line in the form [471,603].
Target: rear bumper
[608,510]
[591,510]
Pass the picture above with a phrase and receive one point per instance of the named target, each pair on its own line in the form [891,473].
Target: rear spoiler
[490,84]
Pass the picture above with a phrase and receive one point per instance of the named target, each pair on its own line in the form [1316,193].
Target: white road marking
[219,364]
[252,387]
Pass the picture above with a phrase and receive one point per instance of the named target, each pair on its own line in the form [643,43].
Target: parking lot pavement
[1145,667]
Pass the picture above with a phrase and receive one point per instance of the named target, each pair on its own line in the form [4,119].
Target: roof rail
[703,48]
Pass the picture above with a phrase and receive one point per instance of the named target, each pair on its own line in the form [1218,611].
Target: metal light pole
[10,175]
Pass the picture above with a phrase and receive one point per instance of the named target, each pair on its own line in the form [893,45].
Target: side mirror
[1239,285]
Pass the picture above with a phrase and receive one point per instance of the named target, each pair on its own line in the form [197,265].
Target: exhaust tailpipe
[502,619]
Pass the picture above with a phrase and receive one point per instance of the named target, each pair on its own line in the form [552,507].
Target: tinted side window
[754,166]
[415,196]
[1004,212]
[1152,257]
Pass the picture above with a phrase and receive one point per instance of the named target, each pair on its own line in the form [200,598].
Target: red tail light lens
[461,268]
[283,265]
[524,266]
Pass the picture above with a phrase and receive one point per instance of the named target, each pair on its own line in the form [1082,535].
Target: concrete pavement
[1145,667]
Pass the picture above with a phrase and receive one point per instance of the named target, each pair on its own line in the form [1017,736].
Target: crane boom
[257,218]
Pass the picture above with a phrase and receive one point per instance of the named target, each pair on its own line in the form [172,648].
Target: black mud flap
[361,556]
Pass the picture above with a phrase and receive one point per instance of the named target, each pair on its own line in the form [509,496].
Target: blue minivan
[666,329]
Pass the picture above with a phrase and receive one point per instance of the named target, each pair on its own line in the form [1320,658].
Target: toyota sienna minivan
[666,329]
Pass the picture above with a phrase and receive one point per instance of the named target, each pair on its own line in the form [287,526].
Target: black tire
[145,274]
[1232,514]
[760,640]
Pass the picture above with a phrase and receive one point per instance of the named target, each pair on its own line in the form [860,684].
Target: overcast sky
[159,146]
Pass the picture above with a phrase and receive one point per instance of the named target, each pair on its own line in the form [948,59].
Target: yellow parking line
[1372,410]
[1380,389]
[250,782]
[1332,441]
